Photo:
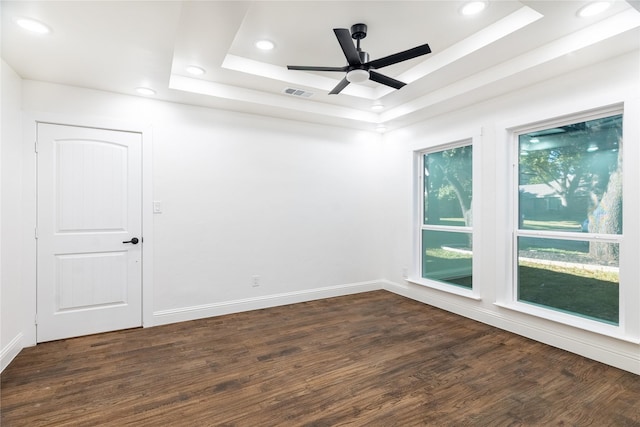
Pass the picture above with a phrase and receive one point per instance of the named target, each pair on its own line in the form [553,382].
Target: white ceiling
[120,45]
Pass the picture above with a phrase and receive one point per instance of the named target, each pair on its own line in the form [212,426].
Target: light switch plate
[157,206]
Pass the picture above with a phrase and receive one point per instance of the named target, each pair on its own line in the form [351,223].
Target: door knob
[133,241]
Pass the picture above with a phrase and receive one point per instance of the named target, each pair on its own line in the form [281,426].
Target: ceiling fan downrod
[358,32]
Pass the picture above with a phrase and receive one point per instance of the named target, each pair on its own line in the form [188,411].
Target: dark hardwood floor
[374,359]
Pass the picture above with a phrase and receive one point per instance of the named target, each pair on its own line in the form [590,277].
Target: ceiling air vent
[297,92]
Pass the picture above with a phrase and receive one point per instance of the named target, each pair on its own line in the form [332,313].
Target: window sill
[444,287]
[594,326]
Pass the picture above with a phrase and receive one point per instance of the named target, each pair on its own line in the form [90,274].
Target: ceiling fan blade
[306,68]
[399,57]
[336,90]
[350,51]
[387,81]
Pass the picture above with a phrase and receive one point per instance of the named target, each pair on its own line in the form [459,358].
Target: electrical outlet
[255,281]
[405,272]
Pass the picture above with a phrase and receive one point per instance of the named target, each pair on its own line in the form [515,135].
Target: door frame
[29,205]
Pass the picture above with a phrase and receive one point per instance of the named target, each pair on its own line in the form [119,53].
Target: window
[446,215]
[569,218]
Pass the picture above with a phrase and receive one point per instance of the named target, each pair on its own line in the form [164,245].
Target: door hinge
[35,233]
[35,320]
[36,146]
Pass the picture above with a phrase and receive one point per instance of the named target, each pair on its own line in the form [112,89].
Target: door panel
[89,204]
[107,272]
[92,186]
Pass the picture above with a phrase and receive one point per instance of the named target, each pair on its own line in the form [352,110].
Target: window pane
[568,276]
[447,187]
[446,257]
[570,177]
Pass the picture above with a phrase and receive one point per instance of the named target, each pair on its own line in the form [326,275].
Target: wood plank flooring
[373,359]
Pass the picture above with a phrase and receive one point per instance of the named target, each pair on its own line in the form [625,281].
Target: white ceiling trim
[219,90]
[483,38]
[610,27]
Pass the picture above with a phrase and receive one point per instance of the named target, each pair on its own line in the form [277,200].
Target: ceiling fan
[360,68]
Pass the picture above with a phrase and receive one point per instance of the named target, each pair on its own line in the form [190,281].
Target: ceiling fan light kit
[360,68]
[357,76]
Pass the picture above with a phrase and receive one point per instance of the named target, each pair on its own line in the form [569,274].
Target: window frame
[418,220]
[627,328]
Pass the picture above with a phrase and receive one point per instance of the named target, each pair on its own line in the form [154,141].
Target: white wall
[597,86]
[242,195]
[291,202]
[11,298]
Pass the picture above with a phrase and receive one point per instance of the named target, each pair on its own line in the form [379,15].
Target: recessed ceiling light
[265,44]
[145,91]
[33,25]
[195,70]
[473,7]
[594,8]
[377,107]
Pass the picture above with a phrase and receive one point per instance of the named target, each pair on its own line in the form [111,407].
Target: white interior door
[89,278]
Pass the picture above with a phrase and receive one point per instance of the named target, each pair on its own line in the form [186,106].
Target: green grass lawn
[556,225]
[438,260]
[587,293]
[592,294]
[573,289]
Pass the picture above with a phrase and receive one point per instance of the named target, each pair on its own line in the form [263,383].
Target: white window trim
[628,328]
[415,276]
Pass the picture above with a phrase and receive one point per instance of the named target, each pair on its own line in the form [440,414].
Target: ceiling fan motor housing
[359,31]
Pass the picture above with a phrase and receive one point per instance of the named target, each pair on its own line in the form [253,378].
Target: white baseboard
[597,348]
[10,351]
[182,314]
